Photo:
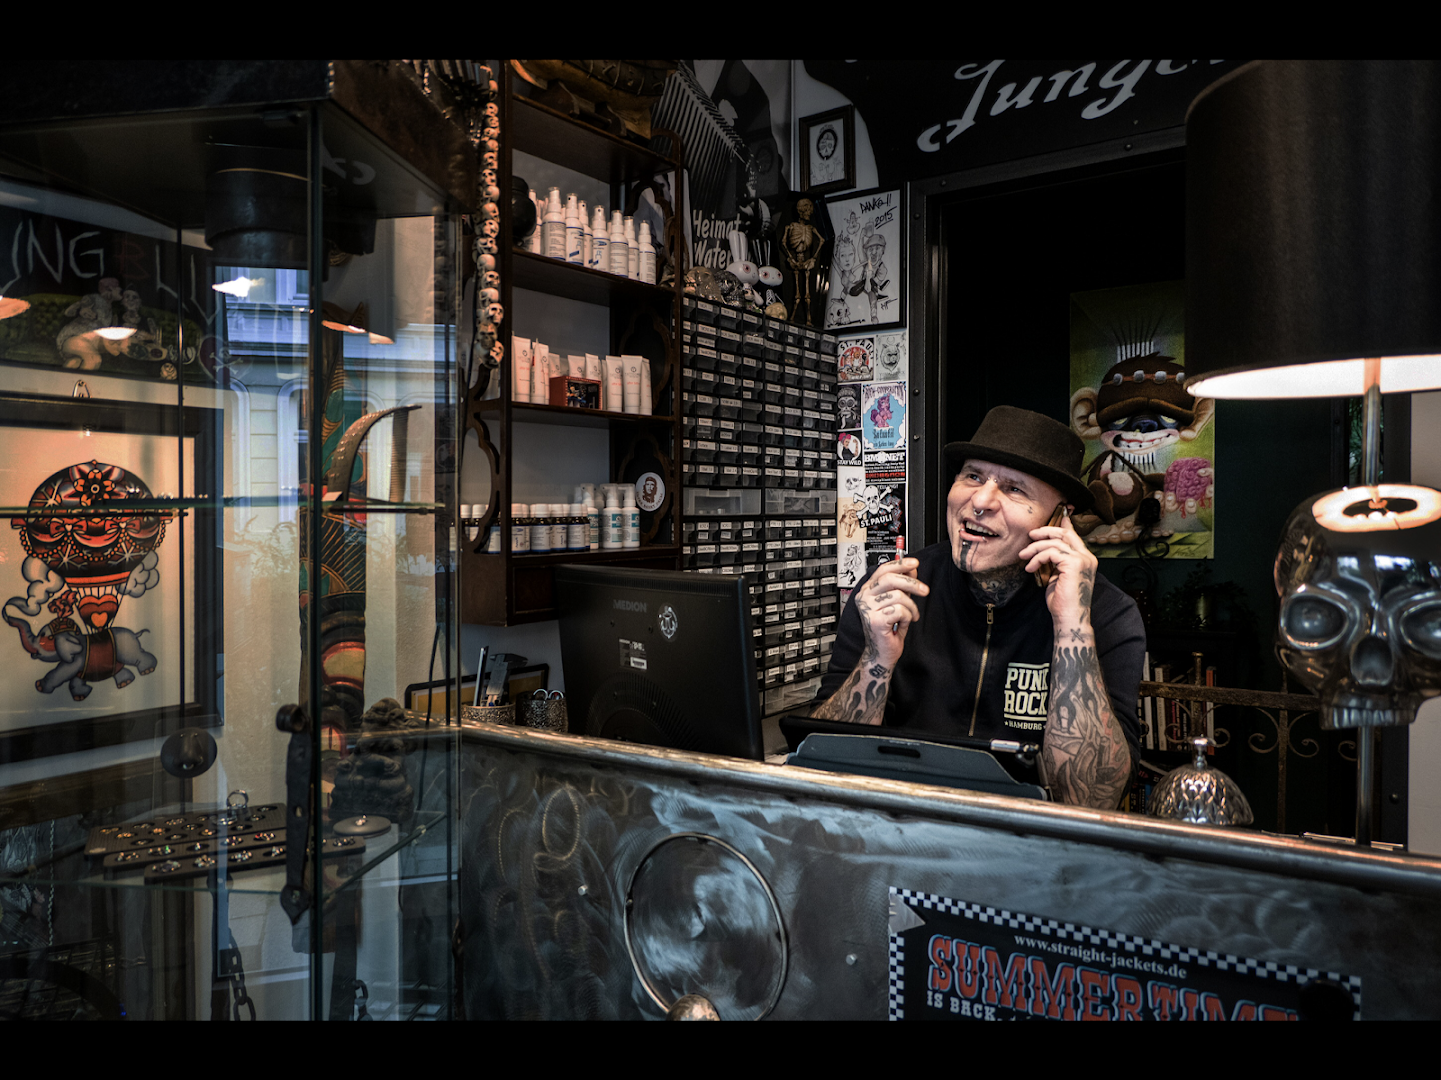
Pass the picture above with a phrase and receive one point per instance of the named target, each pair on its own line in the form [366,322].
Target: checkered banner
[950,960]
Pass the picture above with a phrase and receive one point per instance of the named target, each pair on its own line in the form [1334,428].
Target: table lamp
[1313,269]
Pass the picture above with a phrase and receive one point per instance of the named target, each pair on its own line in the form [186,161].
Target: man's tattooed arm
[862,697]
[886,612]
[1087,759]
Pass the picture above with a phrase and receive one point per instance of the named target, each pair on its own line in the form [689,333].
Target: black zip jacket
[967,670]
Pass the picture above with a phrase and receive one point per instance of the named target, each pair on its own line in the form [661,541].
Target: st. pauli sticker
[951,960]
[883,510]
[882,515]
[883,416]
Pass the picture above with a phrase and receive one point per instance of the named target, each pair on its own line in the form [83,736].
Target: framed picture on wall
[828,151]
[109,573]
[867,282]
[1146,436]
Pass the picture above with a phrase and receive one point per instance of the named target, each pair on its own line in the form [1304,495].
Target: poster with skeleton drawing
[883,516]
[866,265]
[1150,444]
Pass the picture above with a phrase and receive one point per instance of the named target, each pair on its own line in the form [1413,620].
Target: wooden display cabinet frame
[506,588]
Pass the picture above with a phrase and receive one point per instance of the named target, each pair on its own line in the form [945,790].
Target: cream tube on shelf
[646,409]
[540,374]
[614,383]
[631,386]
[521,355]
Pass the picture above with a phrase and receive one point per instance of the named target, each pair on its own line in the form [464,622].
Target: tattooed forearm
[886,608]
[1087,760]
[861,698]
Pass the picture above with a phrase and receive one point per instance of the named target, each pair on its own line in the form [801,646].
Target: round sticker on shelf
[649,491]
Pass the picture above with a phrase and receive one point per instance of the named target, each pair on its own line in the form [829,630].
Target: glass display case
[230,299]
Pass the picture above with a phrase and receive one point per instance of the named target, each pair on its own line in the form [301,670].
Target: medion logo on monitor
[629,605]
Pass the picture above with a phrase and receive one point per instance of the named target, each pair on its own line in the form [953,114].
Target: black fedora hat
[1030,442]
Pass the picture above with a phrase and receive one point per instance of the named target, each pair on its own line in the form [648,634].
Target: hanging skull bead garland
[1360,619]
[488,311]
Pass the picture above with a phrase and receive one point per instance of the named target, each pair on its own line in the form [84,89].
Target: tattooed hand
[1086,758]
[1068,596]
[887,607]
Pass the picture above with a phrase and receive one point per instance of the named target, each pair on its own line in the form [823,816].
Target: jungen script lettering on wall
[1115,87]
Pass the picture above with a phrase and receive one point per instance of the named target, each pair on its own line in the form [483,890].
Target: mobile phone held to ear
[1048,570]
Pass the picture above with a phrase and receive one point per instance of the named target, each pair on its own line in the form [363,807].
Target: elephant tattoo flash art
[95,549]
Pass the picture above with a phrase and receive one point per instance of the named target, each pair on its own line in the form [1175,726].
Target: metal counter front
[603,881]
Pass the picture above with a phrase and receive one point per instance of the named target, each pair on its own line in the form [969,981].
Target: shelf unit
[505,588]
[758,418]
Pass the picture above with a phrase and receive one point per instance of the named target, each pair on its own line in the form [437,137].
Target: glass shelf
[265,881]
[130,507]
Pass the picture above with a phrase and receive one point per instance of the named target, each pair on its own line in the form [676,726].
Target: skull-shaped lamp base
[1359,576]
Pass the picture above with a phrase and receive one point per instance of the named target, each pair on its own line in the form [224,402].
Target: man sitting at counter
[962,639]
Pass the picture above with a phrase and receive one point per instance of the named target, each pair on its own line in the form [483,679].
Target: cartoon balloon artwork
[96,549]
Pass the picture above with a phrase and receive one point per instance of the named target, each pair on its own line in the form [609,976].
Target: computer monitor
[660,657]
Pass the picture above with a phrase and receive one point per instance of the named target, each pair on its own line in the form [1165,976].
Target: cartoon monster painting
[1142,414]
[1150,443]
[93,549]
